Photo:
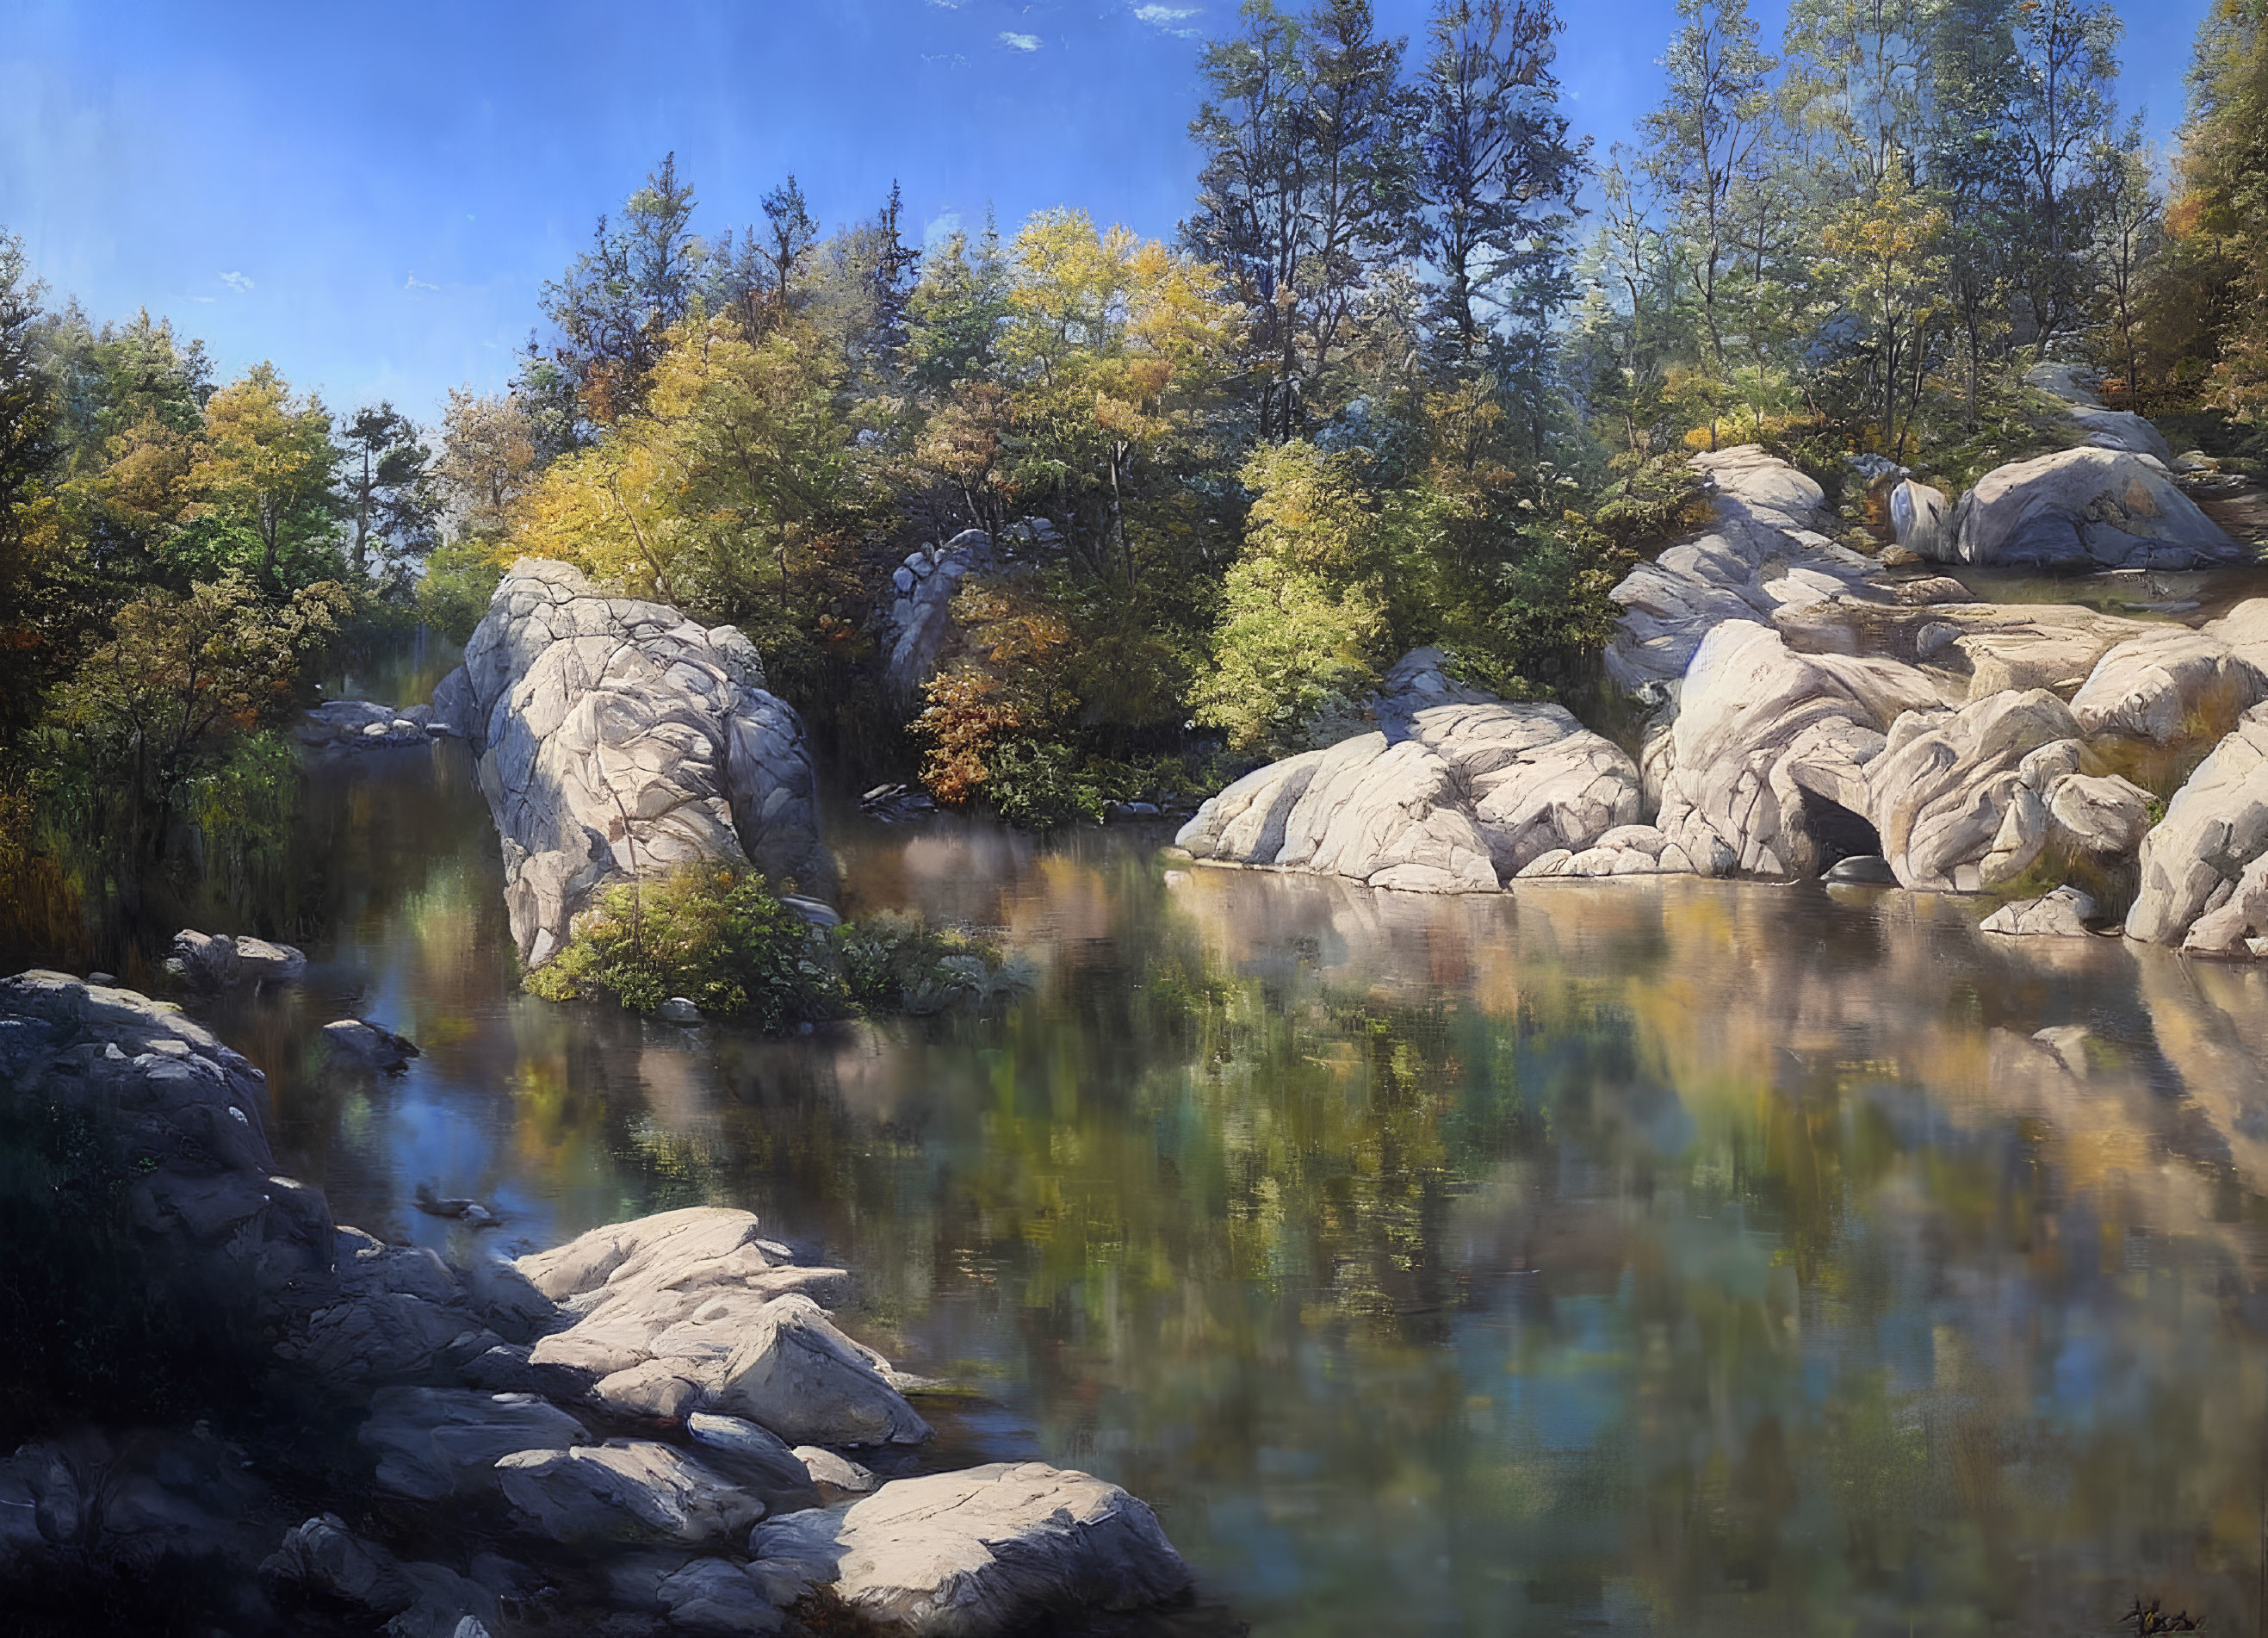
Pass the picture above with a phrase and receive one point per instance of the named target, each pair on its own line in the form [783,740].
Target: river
[1660,1256]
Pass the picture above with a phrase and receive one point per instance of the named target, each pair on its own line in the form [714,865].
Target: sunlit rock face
[2205,868]
[986,1549]
[1456,791]
[2090,508]
[618,739]
[1762,553]
[1771,747]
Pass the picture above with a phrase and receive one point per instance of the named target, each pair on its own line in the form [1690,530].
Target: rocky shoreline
[657,1427]
[1814,711]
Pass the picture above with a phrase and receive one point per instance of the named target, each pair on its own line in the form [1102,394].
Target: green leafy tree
[264,468]
[386,482]
[164,700]
[615,306]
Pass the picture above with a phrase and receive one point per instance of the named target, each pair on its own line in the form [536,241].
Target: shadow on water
[1664,1257]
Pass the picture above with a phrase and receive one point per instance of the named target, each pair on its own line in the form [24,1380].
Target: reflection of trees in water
[1711,1258]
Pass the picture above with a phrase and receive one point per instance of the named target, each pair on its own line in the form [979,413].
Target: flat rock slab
[618,740]
[626,1490]
[433,1442]
[983,1551]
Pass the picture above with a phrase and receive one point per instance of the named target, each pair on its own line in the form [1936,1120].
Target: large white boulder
[983,1551]
[1762,553]
[1458,792]
[693,1310]
[1963,799]
[2173,686]
[2087,508]
[1764,735]
[618,739]
[2204,866]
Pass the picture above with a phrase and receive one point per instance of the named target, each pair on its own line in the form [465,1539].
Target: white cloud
[236,281]
[414,283]
[949,5]
[1019,42]
[1159,16]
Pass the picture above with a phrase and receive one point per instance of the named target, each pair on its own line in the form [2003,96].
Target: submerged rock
[367,1043]
[1860,870]
[618,739]
[2087,509]
[215,962]
[1458,792]
[364,725]
[985,1551]
[716,1595]
[2063,913]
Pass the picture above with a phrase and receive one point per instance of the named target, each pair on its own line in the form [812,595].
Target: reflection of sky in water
[1660,1257]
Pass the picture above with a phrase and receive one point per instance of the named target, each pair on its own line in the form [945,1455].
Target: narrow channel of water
[1670,1257]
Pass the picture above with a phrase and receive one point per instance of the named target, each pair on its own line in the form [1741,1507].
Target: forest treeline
[1422,363]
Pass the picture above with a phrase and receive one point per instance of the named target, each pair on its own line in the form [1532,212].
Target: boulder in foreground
[987,1550]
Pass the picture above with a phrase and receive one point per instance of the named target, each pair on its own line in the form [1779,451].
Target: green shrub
[719,938]
[1038,784]
[457,583]
[896,962]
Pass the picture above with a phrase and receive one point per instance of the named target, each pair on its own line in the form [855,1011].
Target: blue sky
[371,197]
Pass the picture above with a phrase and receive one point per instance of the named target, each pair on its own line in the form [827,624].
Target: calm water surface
[1677,1257]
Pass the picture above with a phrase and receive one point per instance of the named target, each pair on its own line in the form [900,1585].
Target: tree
[387,485]
[1307,189]
[181,676]
[614,306]
[488,460]
[1709,136]
[28,455]
[264,465]
[1304,619]
[2063,120]
[1890,242]
[1498,173]
[789,234]
[956,311]
[1113,348]
[1969,157]
[2129,238]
